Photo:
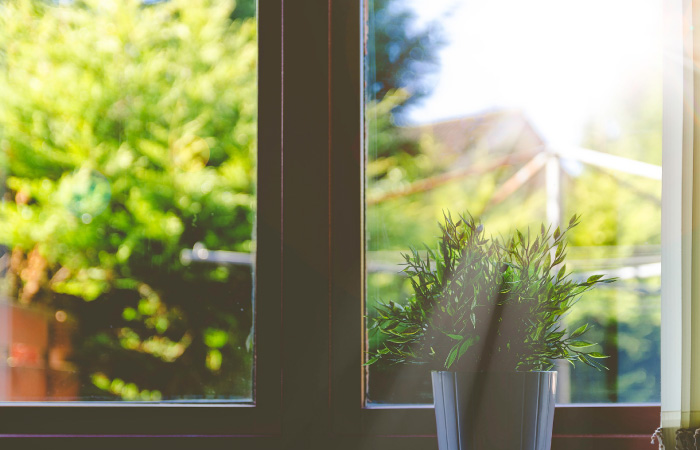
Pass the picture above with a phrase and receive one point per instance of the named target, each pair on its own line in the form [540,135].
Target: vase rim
[491,371]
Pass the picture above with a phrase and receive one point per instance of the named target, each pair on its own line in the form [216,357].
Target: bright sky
[559,61]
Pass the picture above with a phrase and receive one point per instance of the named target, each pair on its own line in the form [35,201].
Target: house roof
[496,133]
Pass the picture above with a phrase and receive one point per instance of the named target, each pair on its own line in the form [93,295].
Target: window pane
[127,168]
[522,113]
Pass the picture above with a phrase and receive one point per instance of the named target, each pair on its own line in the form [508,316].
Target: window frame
[619,426]
[310,276]
[261,418]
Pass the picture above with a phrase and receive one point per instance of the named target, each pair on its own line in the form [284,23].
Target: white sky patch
[558,61]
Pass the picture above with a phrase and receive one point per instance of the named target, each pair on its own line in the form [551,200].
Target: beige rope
[657,436]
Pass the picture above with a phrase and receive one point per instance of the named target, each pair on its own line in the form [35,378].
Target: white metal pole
[554,218]
[676,219]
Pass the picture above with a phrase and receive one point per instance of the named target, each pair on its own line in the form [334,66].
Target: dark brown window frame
[309,381]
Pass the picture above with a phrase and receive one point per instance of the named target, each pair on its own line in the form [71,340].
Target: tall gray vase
[494,410]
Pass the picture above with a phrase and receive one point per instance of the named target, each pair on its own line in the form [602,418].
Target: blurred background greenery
[128,133]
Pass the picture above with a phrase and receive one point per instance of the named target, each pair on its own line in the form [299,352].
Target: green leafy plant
[487,304]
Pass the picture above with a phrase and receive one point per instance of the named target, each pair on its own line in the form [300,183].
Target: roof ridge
[491,114]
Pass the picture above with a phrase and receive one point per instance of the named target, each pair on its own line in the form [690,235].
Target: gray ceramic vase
[494,410]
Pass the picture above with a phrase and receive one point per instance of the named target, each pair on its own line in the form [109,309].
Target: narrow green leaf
[548,261]
[372,360]
[561,272]
[393,324]
[464,347]
[579,331]
[555,336]
[594,278]
[452,356]
[591,362]
[401,340]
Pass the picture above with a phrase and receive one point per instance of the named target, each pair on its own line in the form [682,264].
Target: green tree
[402,53]
[128,134]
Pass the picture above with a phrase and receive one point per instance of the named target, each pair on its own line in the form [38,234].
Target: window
[623,426]
[518,130]
[129,160]
[187,62]
[309,382]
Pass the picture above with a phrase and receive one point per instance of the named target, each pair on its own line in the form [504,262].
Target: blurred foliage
[396,159]
[127,134]
[622,220]
[402,53]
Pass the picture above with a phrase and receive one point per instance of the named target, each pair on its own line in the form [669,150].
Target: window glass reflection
[522,113]
[127,161]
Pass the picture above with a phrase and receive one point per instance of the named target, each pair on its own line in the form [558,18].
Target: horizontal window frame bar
[590,420]
[129,404]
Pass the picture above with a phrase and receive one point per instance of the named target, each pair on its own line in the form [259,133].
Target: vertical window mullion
[347,213]
[268,271]
[305,242]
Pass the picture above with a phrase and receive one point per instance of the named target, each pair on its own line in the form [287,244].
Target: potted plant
[485,318]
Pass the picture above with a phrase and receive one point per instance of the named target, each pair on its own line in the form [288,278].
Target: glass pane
[521,114]
[127,169]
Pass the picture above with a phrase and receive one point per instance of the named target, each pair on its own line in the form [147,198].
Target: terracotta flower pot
[34,347]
